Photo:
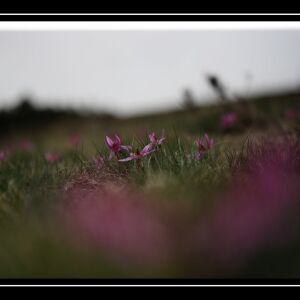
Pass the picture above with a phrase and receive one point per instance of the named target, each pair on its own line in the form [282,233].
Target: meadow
[205,192]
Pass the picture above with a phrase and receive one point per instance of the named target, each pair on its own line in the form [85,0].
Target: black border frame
[167,17]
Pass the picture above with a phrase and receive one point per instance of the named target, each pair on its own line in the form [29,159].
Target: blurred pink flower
[201,147]
[141,132]
[119,224]
[198,155]
[74,139]
[290,113]
[139,154]
[51,157]
[154,141]
[228,119]
[115,146]
[3,155]
[258,211]
[250,217]
[26,145]
[98,161]
[209,141]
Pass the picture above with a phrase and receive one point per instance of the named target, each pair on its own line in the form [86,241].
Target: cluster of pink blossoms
[115,146]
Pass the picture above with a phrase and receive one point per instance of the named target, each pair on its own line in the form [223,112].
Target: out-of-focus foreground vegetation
[68,211]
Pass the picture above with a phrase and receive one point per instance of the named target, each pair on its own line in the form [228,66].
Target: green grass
[33,239]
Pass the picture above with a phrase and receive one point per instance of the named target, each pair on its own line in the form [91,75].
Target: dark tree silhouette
[189,101]
[218,87]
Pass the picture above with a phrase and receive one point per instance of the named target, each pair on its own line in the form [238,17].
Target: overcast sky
[135,71]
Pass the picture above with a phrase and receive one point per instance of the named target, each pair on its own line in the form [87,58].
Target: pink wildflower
[26,145]
[250,217]
[115,146]
[98,161]
[139,154]
[3,155]
[51,157]
[154,141]
[290,113]
[123,227]
[259,210]
[228,119]
[209,141]
[74,139]
[197,155]
[201,147]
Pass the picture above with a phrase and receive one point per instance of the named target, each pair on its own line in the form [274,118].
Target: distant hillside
[26,116]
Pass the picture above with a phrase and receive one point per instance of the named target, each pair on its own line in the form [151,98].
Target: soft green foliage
[32,242]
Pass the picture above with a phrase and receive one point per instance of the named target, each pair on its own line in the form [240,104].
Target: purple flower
[26,145]
[74,139]
[197,155]
[202,147]
[3,155]
[290,113]
[139,154]
[199,145]
[250,217]
[258,211]
[115,146]
[124,228]
[51,157]
[228,119]
[209,141]
[154,141]
[98,161]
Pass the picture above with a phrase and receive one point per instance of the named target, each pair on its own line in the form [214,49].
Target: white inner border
[154,25]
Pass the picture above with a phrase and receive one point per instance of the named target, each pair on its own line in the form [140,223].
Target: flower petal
[111,155]
[126,147]
[197,142]
[161,140]
[152,138]
[109,142]
[145,153]
[197,155]
[209,141]
[117,139]
[128,158]
[147,148]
